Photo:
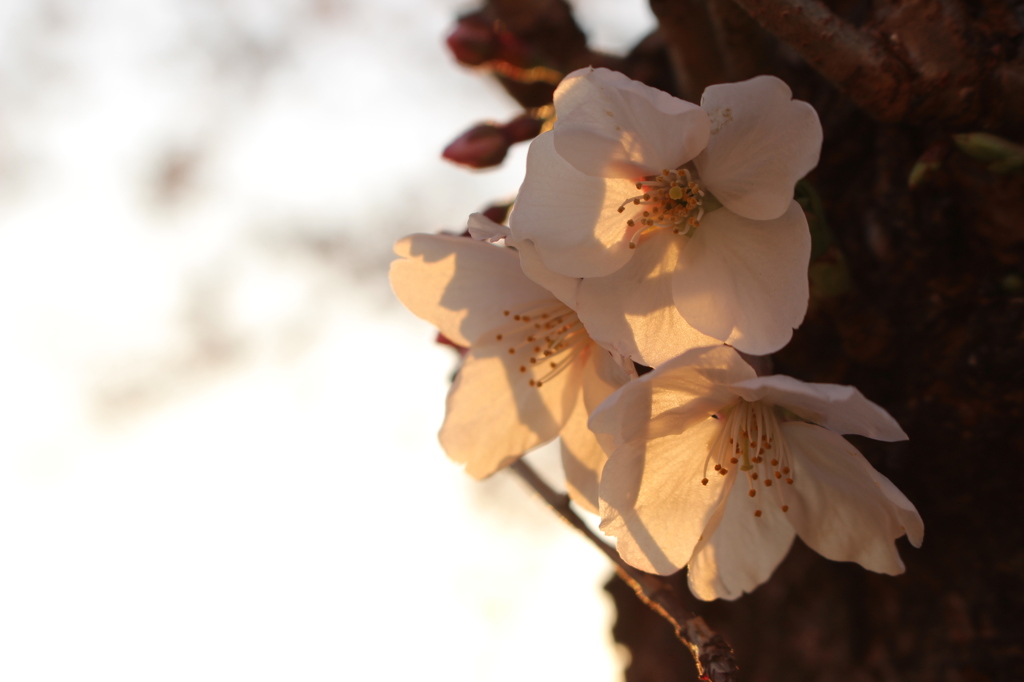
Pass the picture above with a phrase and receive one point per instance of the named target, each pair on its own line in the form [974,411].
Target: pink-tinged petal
[653,501]
[745,281]
[744,550]
[493,415]
[632,311]
[905,510]
[672,398]
[838,505]
[842,409]
[762,141]
[460,285]
[564,288]
[613,370]
[484,229]
[571,218]
[603,375]
[583,458]
[611,126]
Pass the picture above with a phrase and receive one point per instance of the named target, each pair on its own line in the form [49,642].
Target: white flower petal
[745,281]
[842,409]
[460,285]
[838,505]
[571,218]
[672,398]
[611,126]
[583,457]
[632,310]
[493,415]
[652,499]
[564,288]
[762,141]
[744,550]
[484,229]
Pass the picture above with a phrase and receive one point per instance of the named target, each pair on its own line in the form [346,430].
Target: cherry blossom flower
[703,195]
[623,324]
[717,469]
[531,373]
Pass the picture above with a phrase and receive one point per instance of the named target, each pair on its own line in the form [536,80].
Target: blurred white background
[217,439]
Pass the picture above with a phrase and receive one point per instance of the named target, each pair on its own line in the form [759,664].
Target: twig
[712,653]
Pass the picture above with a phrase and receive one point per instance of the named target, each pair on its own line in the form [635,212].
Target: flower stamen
[749,430]
[671,200]
[548,337]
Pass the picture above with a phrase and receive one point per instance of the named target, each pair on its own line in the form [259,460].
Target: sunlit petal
[571,218]
[680,394]
[493,415]
[632,310]
[583,458]
[460,285]
[743,551]
[652,499]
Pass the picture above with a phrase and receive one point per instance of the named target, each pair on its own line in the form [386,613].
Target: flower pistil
[672,199]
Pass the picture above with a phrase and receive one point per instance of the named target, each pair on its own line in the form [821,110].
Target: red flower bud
[473,41]
[521,128]
[481,146]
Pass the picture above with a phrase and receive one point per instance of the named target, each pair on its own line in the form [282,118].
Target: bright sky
[218,455]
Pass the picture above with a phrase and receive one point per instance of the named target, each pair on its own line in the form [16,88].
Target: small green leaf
[1002,155]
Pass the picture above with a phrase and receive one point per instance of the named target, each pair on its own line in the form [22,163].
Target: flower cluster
[652,232]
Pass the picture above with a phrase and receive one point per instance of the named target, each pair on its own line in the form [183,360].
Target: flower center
[546,337]
[750,440]
[672,199]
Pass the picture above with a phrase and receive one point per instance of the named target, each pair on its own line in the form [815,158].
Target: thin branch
[713,655]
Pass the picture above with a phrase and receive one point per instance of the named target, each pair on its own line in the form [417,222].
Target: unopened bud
[522,128]
[473,41]
[511,49]
[481,146]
